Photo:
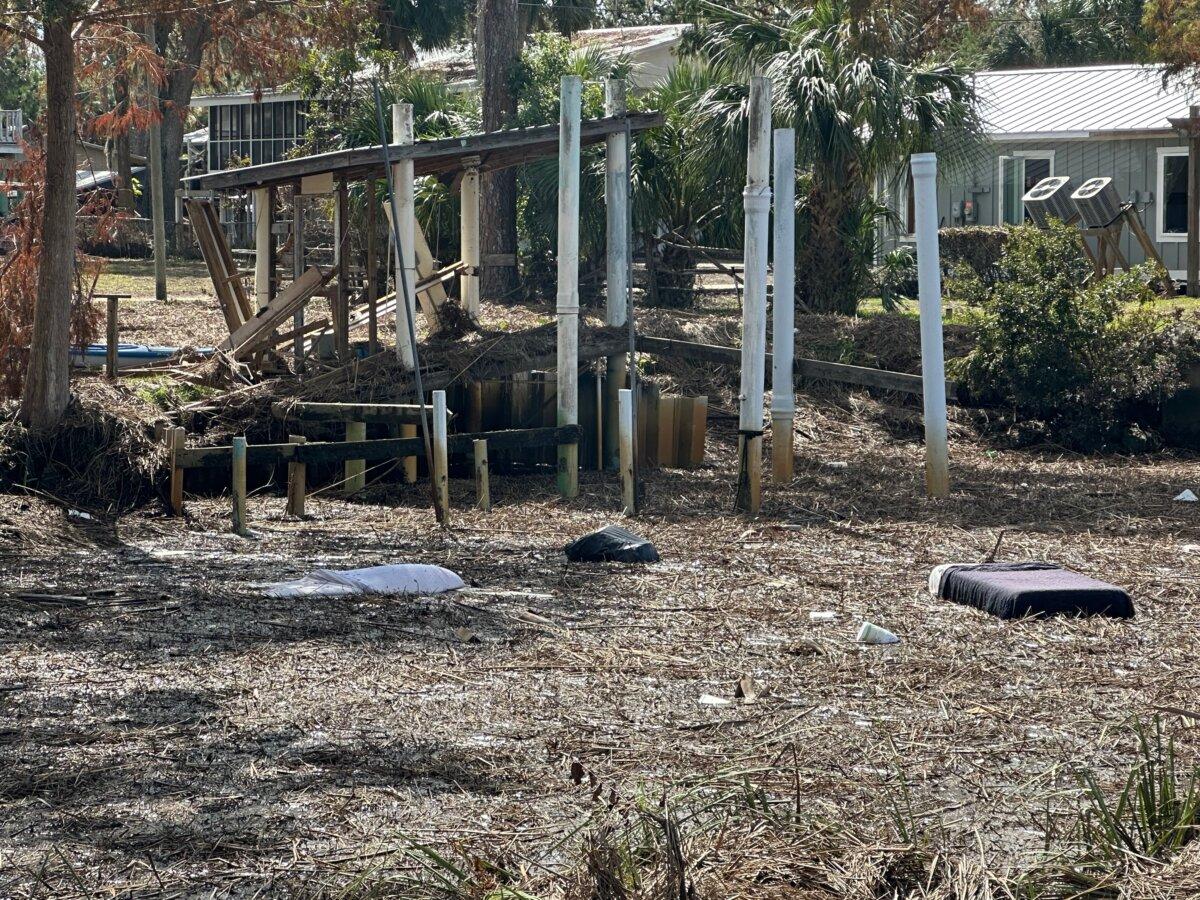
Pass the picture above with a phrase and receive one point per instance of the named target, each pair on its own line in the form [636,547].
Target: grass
[185,277]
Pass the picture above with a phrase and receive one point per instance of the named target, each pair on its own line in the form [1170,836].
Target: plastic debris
[869,633]
[1187,496]
[405,578]
[713,700]
[611,544]
[822,615]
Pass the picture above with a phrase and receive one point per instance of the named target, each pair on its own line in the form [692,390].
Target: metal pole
[929,284]
[1193,210]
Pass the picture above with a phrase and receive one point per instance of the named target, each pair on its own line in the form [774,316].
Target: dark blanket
[611,544]
[1017,590]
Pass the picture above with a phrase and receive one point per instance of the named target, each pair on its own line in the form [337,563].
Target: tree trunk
[47,381]
[497,46]
[122,152]
[833,254]
[175,97]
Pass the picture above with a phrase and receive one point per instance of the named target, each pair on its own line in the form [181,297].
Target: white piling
[406,254]
[625,404]
[439,468]
[616,202]
[571,91]
[783,341]
[238,485]
[929,284]
[262,246]
[757,201]
[469,236]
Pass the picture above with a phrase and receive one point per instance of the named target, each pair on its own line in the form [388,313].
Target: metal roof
[1080,102]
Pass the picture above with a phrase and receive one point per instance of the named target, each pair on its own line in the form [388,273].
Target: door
[1018,175]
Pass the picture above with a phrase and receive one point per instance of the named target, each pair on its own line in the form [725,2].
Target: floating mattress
[1017,590]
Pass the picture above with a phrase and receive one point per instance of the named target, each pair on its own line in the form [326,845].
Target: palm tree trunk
[829,265]
[47,381]
[497,45]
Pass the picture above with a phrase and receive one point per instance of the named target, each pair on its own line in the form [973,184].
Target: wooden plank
[699,431]
[497,149]
[110,348]
[258,328]
[347,412]
[483,491]
[684,410]
[667,408]
[214,261]
[647,425]
[175,439]
[237,455]
[811,369]
[243,304]
[374,450]
[355,470]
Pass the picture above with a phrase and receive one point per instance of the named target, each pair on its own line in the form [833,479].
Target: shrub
[978,247]
[896,278]
[1086,364]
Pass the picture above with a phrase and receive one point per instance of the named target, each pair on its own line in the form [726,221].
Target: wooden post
[483,492]
[406,252]
[1193,212]
[571,90]
[439,468]
[262,246]
[929,284]
[154,156]
[757,200]
[297,477]
[372,264]
[616,202]
[469,237]
[239,485]
[341,241]
[783,389]
[355,469]
[409,463]
[699,431]
[175,439]
[298,269]
[625,430]
[110,348]
[600,418]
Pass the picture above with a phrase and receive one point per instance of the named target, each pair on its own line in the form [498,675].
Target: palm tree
[844,80]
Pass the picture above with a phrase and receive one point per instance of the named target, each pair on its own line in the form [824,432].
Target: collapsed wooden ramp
[218,258]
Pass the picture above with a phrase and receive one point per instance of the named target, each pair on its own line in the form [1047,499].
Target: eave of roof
[496,150]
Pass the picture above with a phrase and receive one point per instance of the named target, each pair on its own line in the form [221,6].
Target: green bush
[978,247]
[1085,364]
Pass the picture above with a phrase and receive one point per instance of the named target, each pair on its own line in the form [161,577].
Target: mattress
[1018,590]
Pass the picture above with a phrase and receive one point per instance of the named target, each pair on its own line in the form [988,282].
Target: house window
[1018,174]
[1172,193]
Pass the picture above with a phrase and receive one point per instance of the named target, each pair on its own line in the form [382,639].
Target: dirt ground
[168,730]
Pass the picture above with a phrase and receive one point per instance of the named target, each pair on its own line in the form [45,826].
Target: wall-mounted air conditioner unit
[1050,197]
[1097,202]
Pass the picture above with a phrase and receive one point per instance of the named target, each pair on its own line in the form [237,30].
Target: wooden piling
[469,237]
[483,492]
[783,310]
[355,469]
[110,349]
[297,478]
[175,440]
[625,416]
[441,467]
[409,463]
[239,485]
[372,266]
[616,202]
[406,252]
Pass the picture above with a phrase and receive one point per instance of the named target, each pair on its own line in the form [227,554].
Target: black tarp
[611,544]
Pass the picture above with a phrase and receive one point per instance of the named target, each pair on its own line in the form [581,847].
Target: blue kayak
[129,356]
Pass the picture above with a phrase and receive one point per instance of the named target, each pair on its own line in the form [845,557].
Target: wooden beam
[347,412]
[483,491]
[110,348]
[297,475]
[316,452]
[258,329]
[341,237]
[237,455]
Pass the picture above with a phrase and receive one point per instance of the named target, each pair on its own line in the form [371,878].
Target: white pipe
[403,185]
[757,200]
[440,470]
[616,202]
[929,284]
[625,405]
[262,246]
[469,237]
[567,306]
[783,396]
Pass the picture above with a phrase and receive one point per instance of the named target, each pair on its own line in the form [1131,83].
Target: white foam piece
[405,578]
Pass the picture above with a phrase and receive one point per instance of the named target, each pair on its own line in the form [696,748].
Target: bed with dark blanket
[1017,590]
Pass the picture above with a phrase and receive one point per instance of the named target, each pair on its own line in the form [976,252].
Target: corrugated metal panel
[1079,102]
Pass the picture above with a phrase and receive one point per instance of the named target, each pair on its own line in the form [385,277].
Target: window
[1172,193]
[1018,174]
